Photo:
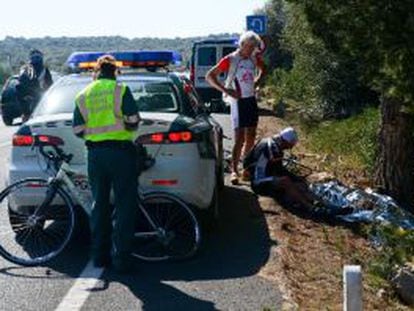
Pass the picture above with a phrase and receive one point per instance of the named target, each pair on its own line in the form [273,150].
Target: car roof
[217,41]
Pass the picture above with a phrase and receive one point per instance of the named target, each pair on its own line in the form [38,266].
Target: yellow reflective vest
[100,105]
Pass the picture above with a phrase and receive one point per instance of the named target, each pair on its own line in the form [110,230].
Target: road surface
[223,275]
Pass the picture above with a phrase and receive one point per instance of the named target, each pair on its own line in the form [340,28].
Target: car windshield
[149,95]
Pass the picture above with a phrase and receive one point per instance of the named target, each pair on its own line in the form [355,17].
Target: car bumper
[195,188]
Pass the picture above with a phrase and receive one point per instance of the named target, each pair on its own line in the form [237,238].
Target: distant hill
[14,51]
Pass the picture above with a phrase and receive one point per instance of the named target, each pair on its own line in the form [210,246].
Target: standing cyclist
[244,71]
[106,116]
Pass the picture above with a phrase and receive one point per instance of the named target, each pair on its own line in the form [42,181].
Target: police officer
[106,116]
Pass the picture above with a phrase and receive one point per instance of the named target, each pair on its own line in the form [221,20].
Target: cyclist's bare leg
[294,193]
[239,139]
[250,136]
[304,190]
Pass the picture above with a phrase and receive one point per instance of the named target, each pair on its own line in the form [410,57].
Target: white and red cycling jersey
[242,72]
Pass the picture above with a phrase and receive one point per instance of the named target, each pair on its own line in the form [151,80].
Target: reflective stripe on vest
[100,106]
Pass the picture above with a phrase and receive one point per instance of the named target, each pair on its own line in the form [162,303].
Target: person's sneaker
[234,178]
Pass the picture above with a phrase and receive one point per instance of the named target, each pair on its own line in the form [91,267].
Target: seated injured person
[267,173]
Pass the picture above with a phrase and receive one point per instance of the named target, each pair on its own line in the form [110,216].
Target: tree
[379,33]
[324,83]
[275,54]
[4,73]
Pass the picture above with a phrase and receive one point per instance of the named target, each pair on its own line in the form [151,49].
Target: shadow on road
[238,248]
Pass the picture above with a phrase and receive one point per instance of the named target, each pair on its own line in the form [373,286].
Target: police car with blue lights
[176,129]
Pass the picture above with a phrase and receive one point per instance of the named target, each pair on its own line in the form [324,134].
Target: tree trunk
[395,161]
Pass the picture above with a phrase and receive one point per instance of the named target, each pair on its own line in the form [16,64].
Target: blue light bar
[132,59]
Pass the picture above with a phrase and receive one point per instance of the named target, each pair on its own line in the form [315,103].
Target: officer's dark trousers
[112,228]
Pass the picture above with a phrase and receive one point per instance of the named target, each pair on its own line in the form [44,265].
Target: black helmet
[36,56]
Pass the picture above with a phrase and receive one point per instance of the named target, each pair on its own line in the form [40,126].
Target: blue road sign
[257,23]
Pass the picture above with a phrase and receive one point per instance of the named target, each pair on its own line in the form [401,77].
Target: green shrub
[5,72]
[396,248]
[354,139]
[325,85]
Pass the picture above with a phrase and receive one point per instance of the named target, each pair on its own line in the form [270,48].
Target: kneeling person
[267,174]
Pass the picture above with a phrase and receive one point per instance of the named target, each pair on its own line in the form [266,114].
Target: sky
[127,18]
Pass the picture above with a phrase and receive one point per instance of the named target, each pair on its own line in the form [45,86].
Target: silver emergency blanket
[367,205]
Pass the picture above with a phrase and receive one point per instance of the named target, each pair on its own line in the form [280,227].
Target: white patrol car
[185,141]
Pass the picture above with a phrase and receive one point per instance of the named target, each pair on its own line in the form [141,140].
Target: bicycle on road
[37,216]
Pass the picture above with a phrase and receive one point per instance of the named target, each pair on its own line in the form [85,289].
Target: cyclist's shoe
[320,210]
[234,178]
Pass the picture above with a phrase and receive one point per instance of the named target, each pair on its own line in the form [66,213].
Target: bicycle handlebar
[292,160]
[58,156]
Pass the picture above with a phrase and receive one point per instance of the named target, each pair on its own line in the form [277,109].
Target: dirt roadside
[310,255]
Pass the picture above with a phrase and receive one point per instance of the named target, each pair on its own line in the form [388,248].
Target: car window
[228,49]
[149,96]
[154,96]
[60,98]
[207,56]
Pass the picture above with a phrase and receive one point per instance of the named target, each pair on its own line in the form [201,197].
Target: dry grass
[311,255]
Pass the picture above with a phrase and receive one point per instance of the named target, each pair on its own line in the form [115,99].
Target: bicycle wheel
[166,230]
[34,226]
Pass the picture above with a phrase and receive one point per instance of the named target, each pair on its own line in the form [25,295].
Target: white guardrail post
[352,288]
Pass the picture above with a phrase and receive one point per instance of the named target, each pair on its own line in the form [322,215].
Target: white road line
[80,291]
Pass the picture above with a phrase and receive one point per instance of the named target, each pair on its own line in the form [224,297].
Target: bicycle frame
[62,177]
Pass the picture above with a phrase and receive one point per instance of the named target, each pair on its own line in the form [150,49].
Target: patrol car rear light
[50,140]
[164,182]
[167,138]
[22,140]
[28,140]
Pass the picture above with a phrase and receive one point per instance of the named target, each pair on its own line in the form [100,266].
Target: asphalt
[223,275]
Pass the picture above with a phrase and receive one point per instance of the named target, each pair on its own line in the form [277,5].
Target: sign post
[257,23]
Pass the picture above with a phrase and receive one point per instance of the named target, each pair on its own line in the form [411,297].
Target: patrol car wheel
[211,215]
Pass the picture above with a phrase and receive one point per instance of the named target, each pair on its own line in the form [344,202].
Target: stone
[404,284]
